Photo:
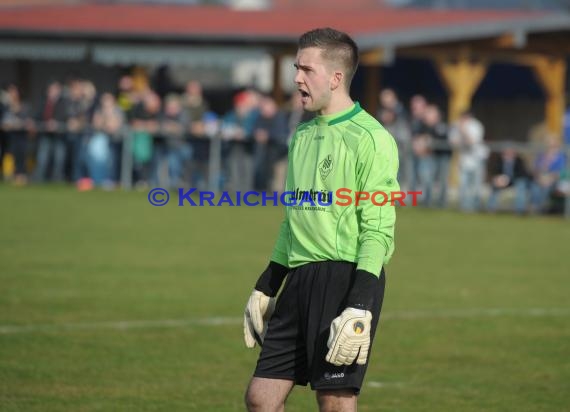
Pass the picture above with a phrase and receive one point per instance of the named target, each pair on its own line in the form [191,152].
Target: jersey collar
[332,119]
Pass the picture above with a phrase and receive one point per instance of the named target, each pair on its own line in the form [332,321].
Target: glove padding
[349,338]
[258,311]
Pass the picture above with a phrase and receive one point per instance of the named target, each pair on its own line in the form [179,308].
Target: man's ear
[337,79]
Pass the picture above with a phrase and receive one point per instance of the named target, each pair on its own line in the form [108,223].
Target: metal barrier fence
[215,167]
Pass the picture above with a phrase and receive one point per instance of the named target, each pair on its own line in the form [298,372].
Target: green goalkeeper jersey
[330,159]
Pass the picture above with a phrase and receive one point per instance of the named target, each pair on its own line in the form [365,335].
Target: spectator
[295,114]
[270,134]
[174,123]
[195,107]
[400,130]
[509,171]
[78,106]
[3,134]
[127,99]
[437,131]
[567,126]
[237,129]
[388,100]
[197,110]
[51,118]
[17,122]
[418,106]
[422,151]
[106,143]
[466,136]
[144,126]
[547,169]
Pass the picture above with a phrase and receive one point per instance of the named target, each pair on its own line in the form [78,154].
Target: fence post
[215,163]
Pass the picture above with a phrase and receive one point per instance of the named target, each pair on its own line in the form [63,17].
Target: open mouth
[304,96]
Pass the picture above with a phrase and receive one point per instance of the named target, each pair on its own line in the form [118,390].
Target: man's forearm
[271,279]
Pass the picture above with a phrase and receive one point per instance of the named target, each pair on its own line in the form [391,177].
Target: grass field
[110,304]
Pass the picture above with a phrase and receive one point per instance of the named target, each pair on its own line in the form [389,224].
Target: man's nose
[298,77]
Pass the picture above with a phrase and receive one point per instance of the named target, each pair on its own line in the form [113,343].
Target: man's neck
[337,105]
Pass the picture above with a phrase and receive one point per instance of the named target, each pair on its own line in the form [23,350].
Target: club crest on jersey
[325,167]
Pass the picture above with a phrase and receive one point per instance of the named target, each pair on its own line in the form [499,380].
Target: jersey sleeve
[280,254]
[376,171]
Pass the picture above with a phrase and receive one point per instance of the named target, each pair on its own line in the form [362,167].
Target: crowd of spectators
[538,182]
[75,134]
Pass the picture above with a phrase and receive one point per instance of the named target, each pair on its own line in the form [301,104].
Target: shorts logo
[325,167]
[329,376]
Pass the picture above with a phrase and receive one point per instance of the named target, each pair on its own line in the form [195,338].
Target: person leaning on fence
[50,120]
[106,143]
[321,327]
[509,171]
[237,131]
[396,122]
[437,130]
[144,126]
[466,136]
[270,134]
[17,121]
[197,110]
[548,167]
[174,124]
[418,104]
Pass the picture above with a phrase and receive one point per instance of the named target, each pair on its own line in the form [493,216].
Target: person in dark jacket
[50,120]
[270,134]
[509,171]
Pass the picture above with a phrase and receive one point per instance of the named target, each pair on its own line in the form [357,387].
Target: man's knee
[342,400]
[256,400]
[253,399]
[267,394]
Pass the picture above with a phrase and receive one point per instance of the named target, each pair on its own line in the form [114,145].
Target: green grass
[73,263]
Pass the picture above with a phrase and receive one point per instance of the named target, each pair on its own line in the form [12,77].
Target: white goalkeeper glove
[349,338]
[258,311]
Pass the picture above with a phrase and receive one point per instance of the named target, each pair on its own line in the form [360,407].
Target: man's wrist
[363,291]
[271,279]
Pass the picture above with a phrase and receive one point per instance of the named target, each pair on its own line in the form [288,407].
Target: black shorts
[295,344]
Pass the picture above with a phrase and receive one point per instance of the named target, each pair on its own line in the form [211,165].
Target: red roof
[193,21]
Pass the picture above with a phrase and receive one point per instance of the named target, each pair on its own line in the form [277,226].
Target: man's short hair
[336,46]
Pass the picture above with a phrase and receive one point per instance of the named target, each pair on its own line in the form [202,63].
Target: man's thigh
[283,354]
[326,376]
[264,394]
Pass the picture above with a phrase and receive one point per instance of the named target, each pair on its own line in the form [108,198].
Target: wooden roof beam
[513,40]
[461,74]
[551,74]
[384,56]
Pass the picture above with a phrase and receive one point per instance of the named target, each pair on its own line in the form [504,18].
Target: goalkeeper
[320,329]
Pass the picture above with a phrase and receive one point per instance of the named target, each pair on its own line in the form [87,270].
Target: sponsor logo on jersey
[313,197]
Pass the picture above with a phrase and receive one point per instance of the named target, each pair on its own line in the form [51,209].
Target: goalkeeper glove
[349,338]
[257,313]
[261,304]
